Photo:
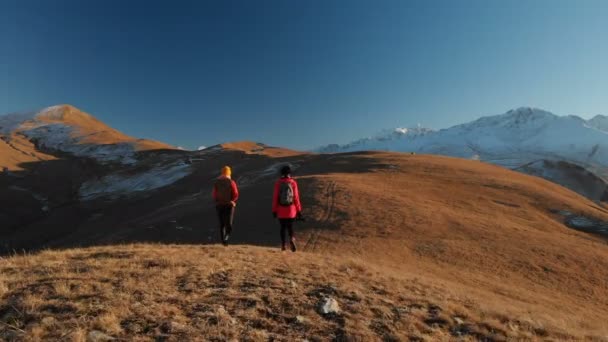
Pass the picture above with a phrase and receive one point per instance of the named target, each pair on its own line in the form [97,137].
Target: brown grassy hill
[16,149]
[250,147]
[90,130]
[178,293]
[476,231]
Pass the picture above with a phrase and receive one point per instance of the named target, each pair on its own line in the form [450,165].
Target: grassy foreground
[214,293]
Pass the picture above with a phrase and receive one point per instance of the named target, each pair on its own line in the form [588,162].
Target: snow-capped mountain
[599,122]
[514,139]
[121,164]
[384,140]
[64,128]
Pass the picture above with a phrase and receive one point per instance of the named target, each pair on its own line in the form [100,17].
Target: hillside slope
[479,230]
[177,293]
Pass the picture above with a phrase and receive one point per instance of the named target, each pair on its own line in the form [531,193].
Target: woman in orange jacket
[225,194]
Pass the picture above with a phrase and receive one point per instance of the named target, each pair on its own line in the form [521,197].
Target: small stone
[300,319]
[178,327]
[48,321]
[223,314]
[98,336]
[329,306]
[458,320]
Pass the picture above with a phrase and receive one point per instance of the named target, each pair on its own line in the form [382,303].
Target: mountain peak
[599,122]
[529,112]
[400,132]
[67,114]
[526,109]
[515,119]
[62,114]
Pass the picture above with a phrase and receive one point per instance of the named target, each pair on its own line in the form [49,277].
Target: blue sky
[301,73]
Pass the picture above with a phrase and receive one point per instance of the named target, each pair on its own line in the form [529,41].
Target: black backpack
[286,194]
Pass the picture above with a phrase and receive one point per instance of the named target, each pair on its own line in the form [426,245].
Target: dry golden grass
[213,293]
[413,247]
[250,147]
[16,150]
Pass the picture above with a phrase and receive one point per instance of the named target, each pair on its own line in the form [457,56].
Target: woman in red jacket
[286,205]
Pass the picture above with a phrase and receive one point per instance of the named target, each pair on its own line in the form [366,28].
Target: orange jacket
[234,188]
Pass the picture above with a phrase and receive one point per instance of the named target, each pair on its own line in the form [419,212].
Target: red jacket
[235,191]
[286,212]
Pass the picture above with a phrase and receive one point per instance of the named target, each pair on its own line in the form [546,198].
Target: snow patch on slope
[53,112]
[120,184]
[385,140]
[59,137]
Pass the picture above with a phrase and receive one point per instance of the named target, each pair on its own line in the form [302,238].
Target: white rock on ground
[329,306]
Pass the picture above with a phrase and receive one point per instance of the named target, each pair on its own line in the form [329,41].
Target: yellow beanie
[226,171]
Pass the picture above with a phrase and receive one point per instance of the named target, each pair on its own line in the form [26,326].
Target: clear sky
[301,73]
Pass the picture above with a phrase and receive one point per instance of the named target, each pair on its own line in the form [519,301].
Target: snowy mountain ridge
[522,129]
[599,122]
[519,137]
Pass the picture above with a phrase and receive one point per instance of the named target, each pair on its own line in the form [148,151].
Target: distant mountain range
[568,150]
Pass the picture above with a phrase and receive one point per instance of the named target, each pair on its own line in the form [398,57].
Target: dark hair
[285,170]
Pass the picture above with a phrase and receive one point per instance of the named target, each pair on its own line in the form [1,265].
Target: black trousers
[286,226]
[225,214]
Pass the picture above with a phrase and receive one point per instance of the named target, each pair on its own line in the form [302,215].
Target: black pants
[286,226]
[225,213]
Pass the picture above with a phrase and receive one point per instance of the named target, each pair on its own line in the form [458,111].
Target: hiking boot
[283,247]
[293,245]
